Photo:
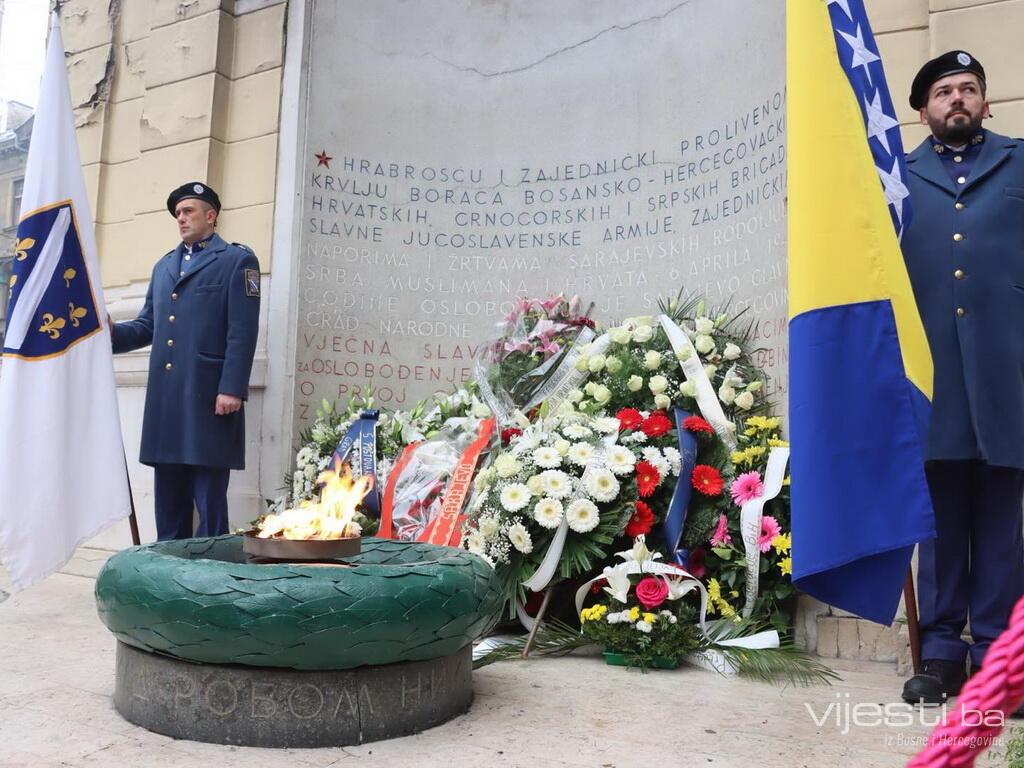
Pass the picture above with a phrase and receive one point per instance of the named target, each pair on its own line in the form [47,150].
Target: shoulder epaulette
[244,247]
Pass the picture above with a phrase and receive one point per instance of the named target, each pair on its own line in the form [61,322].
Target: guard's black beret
[196,190]
[950,63]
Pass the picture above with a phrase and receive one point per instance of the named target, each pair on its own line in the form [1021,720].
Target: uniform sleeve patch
[252,282]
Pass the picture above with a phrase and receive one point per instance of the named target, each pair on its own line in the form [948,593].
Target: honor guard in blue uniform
[964,251]
[202,317]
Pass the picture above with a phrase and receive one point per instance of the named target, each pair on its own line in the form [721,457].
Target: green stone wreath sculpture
[199,600]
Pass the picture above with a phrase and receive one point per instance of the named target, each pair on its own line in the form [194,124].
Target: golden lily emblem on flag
[51,306]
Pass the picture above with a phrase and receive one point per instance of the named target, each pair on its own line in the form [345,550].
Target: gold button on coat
[171,319]
[959,274]
[958,237]
[959,206]
[961,180]
[956,159]
[960,311]
[174,296]
[170,342]
[169,366]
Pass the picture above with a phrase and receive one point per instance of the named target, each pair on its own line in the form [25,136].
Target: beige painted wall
[170,91]
[909,32]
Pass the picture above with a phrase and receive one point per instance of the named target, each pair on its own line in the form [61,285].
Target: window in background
[17,190]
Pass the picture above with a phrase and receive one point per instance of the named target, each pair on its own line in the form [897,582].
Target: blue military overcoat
[202,318]
[964,250]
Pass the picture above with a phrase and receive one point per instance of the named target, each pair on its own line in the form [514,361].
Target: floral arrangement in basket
[642,618]
[646,613]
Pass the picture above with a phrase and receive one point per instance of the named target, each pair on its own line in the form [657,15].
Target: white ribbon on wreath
[566,378]
[750,522]
[707,401]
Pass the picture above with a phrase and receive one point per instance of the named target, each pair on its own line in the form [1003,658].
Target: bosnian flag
[62,469]
[859,365]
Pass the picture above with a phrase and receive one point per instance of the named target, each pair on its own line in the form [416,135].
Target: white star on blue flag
[862,55]
[856,52]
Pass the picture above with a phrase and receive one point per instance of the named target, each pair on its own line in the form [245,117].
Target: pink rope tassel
[973,725]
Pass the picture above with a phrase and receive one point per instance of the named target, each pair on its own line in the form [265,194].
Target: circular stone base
[269,707]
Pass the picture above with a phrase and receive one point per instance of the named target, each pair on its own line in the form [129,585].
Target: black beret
[193,190]
[950,63]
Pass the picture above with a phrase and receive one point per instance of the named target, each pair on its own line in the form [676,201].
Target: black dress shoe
[937,681]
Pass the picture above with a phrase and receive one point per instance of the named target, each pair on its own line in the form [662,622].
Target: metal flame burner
[299,550]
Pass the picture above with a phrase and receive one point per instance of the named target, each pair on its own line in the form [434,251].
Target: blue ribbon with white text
[359,448]
[675,520]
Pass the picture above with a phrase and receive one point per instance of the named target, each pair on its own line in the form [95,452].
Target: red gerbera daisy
[629,418]
[707,480]
[658,423]
[697,424]
[641,522]
[647,478]
[508,433]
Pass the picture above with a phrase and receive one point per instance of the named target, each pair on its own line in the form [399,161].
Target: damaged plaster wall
[88,29]
[173,90]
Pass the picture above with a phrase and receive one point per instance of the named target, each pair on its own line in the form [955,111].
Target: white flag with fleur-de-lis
[62,471]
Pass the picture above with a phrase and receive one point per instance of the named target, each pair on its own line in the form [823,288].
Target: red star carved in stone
[323,158]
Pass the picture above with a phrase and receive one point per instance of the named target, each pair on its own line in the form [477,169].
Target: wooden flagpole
[132,520]
[913,623]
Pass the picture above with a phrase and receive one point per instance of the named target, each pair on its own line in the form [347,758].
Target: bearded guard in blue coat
[964,250]
[201,316]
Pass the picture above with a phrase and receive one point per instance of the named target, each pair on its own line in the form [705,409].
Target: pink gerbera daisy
[721,537]
[746,487]
[769,530]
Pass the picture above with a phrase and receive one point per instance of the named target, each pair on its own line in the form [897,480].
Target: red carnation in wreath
[509,433]
[641,522]
[629,418]
[647,478]
[706,479]
[697,424]
[657,424]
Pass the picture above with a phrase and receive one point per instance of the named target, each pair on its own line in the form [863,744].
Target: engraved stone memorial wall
[457,155]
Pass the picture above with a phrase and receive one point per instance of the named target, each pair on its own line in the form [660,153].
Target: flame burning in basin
[332,517]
